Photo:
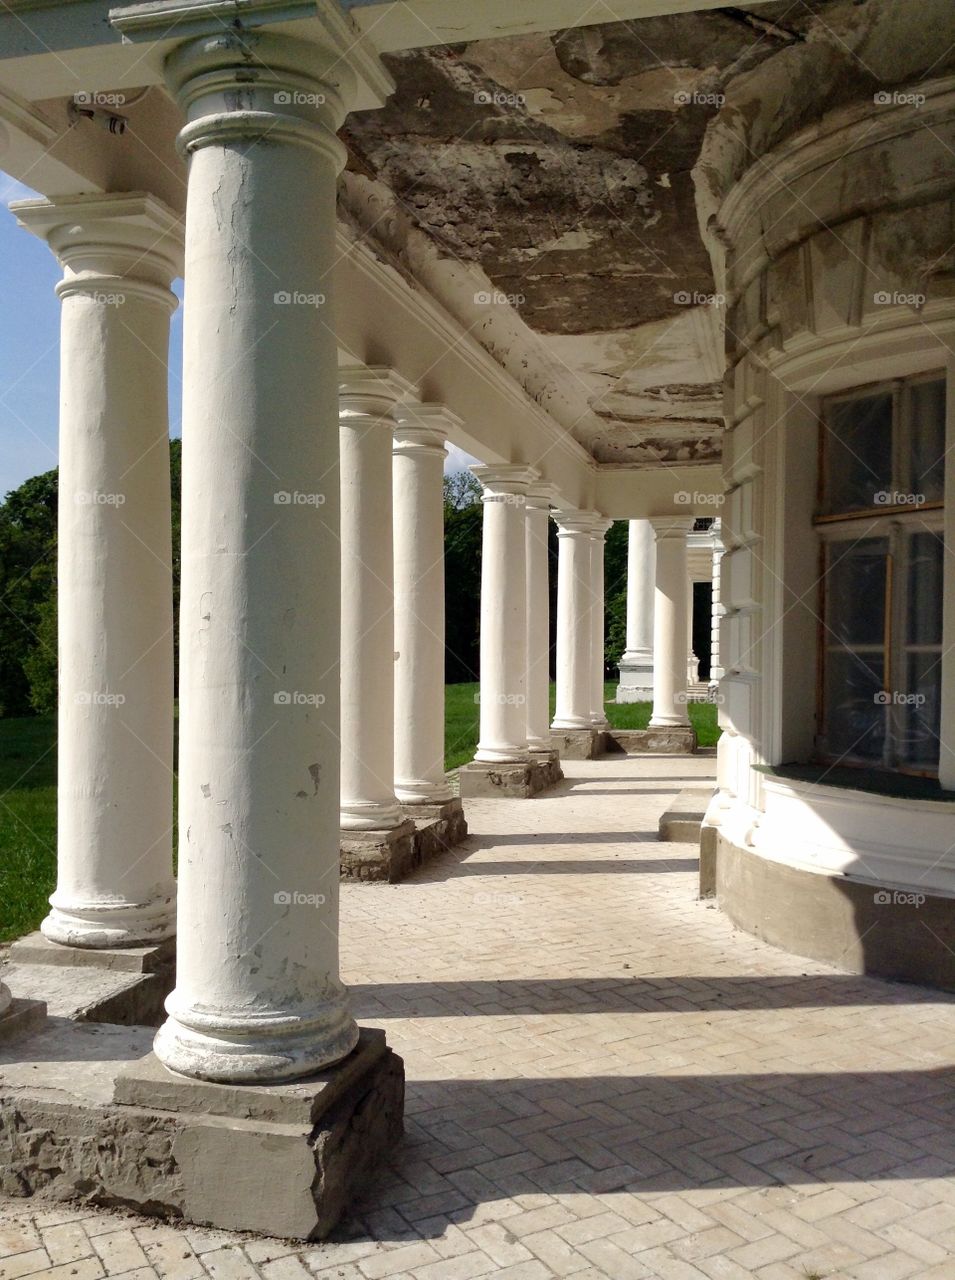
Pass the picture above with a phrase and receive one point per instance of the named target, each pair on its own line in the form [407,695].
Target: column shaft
[670,611]
[258,995]
[574,625]
[418,470]
[636,662]
[598,713]
[503,733]
[367,398]
[115,885]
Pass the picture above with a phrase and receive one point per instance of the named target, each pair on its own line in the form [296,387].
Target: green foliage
[27,584]
[462,572]
[28,824]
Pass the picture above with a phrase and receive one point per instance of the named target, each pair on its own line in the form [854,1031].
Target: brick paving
[604,1079]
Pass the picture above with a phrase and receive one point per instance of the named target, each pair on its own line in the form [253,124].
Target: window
[880,521]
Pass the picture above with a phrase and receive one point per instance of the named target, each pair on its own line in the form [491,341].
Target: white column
[120,253]
[503,735]
[574,625]
[418,471]
[716,671]
[539,499]
[598,713]
[258,996]
[692,661]
[367,398]
[636,662]
[669,623]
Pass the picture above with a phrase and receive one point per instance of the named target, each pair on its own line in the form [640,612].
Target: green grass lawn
[28,792]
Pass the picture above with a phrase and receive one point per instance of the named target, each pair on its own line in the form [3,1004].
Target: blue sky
[29,354]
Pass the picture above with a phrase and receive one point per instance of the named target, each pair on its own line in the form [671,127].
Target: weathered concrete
[576,744]
[378,855]
[683,818]
[666,741]
[856,925]
[79,1120]
[21,1018]
[438,827]
[85,993]
[513,781]
[709,837]
[34,948]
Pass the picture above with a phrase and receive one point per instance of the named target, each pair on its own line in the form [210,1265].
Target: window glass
[858,440]
[921,711]
[855,592]
[924,604]
[927,428]
[855,705]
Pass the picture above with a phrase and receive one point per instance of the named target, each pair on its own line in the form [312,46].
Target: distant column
[503,734]
[574,625]
[670,623]
[636,663]
[598,713]
[539,498]
[716,670]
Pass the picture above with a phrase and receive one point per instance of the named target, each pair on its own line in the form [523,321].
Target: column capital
[505,479]
[423,428]
[541,496]
[671,526]
[100,239]
[572,522]
[601,526]
[371,392]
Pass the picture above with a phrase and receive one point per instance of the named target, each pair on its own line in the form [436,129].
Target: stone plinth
[438,828]
[21,1018]
[378,855]
[281,1160]
[513,781]
[673,741]
[34,948]
[576,744]
[682,820]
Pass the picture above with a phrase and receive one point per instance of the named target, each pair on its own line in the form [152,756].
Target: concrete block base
[121,985]
[283,1160]
[683,818]
[513,781]
[708,841]
[378,855]
[859,926]
[577,744]
[21,1018]
[438,828]
[670,742]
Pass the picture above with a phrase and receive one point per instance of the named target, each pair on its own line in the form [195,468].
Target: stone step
[682,820]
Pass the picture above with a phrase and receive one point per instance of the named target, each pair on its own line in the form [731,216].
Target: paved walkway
[604,1080]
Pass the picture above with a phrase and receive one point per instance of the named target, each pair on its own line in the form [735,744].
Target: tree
[462,569]
[27,587]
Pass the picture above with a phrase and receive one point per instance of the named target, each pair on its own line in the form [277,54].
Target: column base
[21,1018]
[378,855]
[104,926]
[126,985]
[577,744]
[636,680]
[510,781]
[296,1155]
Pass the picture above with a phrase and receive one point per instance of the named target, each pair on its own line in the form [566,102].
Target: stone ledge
[577,744]
[85,993]
[438,828]
[683,819]
[510,781]
[21,1018]
[34,948]
[63,1136]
